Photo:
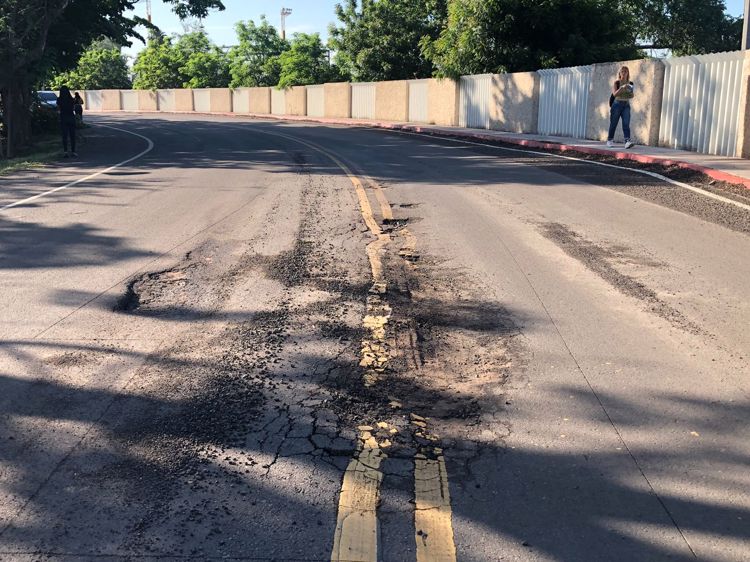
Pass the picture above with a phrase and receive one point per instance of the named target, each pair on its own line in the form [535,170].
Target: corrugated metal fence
[563,100]
[316,101]
[363,100]
[701,104]
[278,101]
[475,100]
[418,93]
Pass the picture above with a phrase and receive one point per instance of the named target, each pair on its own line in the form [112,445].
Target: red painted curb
[463,134]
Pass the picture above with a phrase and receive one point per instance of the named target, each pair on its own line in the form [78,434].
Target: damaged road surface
[268,341]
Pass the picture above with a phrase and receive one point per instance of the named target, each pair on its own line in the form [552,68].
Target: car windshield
[47,96]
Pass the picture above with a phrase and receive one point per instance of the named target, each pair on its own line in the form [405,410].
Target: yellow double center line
[356,535]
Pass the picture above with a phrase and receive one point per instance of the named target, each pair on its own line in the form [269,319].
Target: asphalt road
[268,341]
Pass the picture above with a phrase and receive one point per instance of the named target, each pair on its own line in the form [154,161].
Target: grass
[45,149]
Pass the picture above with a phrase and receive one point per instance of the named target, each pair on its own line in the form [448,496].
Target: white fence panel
[316,101]
[201,100]
[128,100]
[93,100]
[701,104]
[418,104]
[278,101]
[563,100]
[475,100]
[363,100]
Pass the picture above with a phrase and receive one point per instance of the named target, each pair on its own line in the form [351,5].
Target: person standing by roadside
[66,107]
[619,101]
[78,107]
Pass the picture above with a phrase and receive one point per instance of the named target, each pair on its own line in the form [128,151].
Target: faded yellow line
[432,517]
[356,536]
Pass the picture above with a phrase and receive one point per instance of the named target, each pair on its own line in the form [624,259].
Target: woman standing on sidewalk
[622,93]
[66,107]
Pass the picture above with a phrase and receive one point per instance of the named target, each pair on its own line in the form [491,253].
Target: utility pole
[745,27]
[288,11]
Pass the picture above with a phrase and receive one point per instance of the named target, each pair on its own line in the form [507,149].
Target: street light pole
[287,12]
[745,27]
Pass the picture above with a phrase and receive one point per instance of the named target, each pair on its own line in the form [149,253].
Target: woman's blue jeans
[619,110]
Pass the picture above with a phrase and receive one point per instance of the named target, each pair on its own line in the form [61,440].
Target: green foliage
[156,66]
[687,27]
[254,61]
[306,62]
[100,67]
[41,37]
[521,35]
[192,61]
[206,70]
[379,40]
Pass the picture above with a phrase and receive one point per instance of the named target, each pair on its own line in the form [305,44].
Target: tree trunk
[16,117]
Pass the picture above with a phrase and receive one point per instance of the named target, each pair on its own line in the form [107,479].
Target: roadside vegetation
[48,43]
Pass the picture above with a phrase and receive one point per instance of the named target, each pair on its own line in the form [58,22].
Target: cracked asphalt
[270,341]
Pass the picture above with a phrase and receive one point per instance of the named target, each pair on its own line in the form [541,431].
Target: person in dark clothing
[66,107]
[78,107]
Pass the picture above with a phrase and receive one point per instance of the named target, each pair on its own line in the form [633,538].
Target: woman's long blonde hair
[626,70]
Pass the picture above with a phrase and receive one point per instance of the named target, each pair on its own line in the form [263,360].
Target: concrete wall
[392,100]
[92,100]
[221,100]
[515,102]
[183,100]
[260,100]
[147,101]
[338,100]
[201,100]
[111,100]
[648,77]
[165,100]
[129,100]
[241,100]
[442,102]
[296,101]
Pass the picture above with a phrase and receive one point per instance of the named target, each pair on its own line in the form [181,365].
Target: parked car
[47,99]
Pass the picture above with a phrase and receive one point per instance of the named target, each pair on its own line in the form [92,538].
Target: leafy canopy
[254,60]
[520,35]
[379,40]
[187,61]
[101,67]
[686,27]
[306,62]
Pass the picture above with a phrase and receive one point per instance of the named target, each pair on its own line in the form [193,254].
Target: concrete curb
[472,135]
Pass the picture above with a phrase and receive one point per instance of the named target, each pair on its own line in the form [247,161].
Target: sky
[308,16]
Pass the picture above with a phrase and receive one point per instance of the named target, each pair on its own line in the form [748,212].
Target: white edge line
[95,174]
[636,170]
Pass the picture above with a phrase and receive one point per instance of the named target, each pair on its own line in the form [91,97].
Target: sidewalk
[720,168]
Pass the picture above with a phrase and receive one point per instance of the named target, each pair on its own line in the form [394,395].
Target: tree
[254,61]
[156,66]
[306,62]
[379,40]
[102,66]
[521,35]
[190,61]
[687,27]
[40,35]
[206,70]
